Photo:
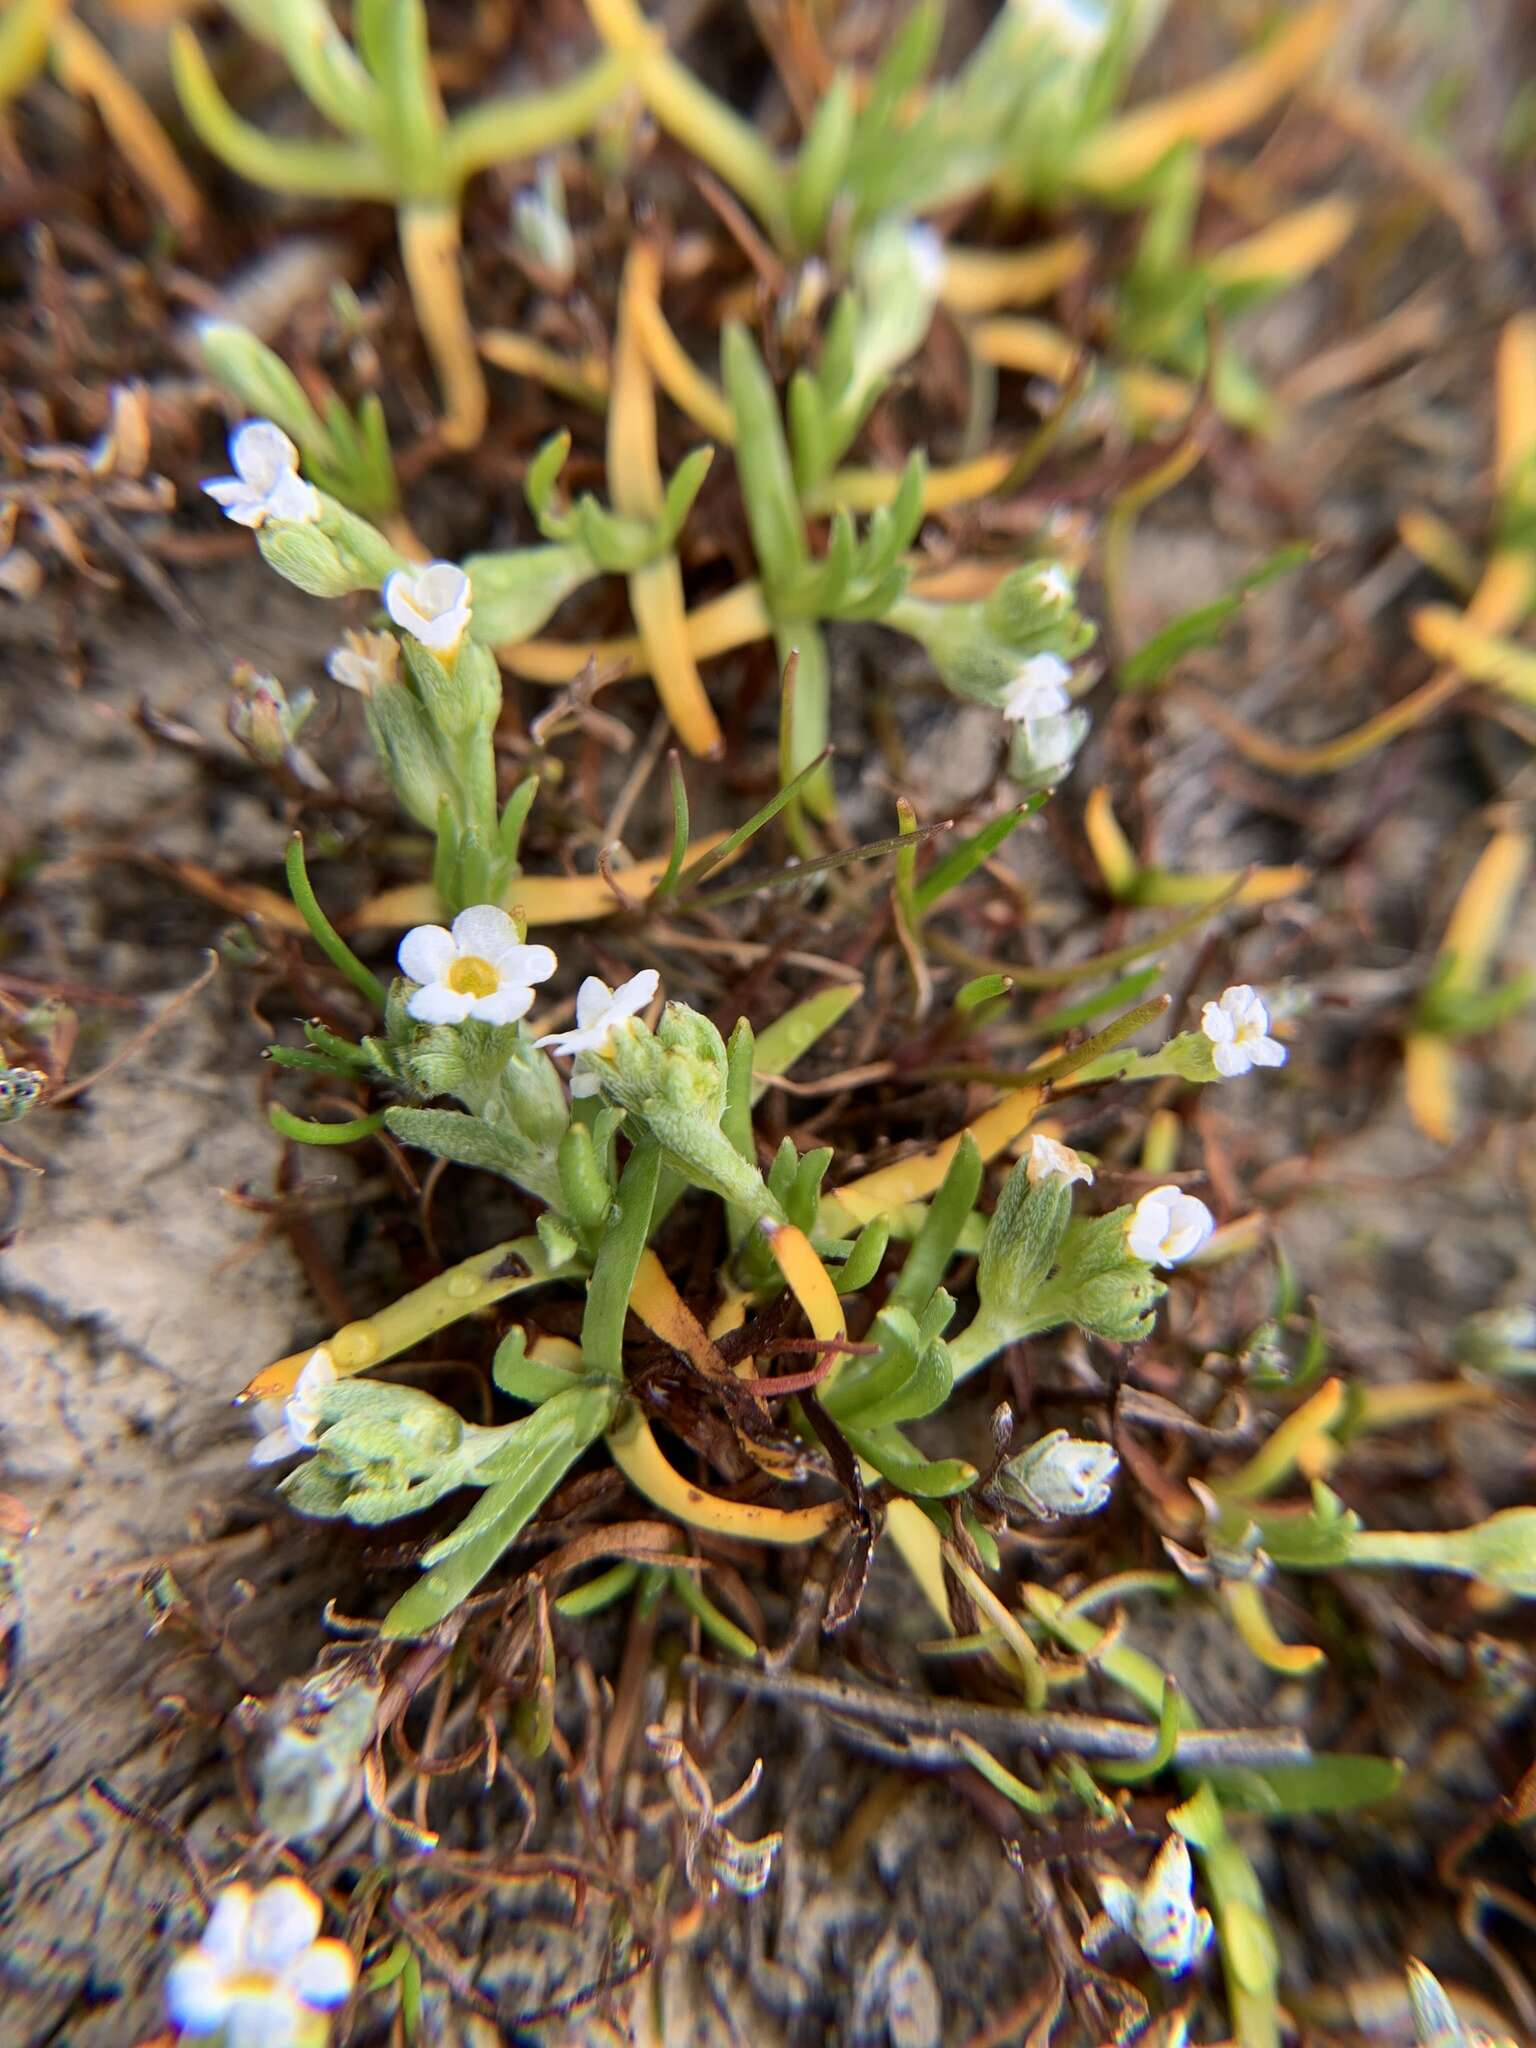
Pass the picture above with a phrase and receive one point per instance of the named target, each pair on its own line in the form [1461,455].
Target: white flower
[1039,690]
[1054,585]
[258,1973]
[1167,1226]
[600,1011]
[431,604]
[1160,1914]
[1237,1024]
[293,1425]
[1062,1475]
[1047,1158]
[266,484]
[479,968]
[1078,26]
[364,662]
[925,254]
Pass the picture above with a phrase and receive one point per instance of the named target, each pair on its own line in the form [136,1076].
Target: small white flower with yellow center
[600,1012]
[431,604]
[1048,1158]
[266,483]
[1159,1914]
[292,1425]
[478,968]
[1237,1024]
[364,662]
[259,1977]
[1038,690]
[1167,1226]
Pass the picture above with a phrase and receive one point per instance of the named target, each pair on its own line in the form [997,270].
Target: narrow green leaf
[675,859]
[908,1471]
[602,1325]
[1332,1783]
[784,1042]
[733,842]
[934,1246]
[323,932]
[1169,1723]
[784,878]
[962,860]
[304,1132]
[1203,626]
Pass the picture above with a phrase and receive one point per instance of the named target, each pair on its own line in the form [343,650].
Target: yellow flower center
[471,976]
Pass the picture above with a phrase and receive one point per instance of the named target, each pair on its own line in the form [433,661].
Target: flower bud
[21,1089]
[1060,1475]
[365,1423]
[1022,1242]
[307,556]
[262,716]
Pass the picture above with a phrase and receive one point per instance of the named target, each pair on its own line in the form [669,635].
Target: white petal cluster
[1066,1475]
[479,967]
[266,483]
[364,662]
[431,604]
[292,1425]
[600,1012]
[259,1975]
[1048,1157]
[1160,1914]
[1167,1226]
[1038,691]
[1237,1024]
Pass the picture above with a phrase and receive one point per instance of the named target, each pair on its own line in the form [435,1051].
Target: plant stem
[430,249]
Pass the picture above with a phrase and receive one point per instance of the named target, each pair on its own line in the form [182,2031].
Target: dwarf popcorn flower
[259,1978]
[1048,1157]
[1061,1475]
[294,1424]
[1038,690]
[478,968]
[1159,1914]
[266,484]
[600,1012]
[431,604]
[1237,1025]
[1167,1227]
[364,662]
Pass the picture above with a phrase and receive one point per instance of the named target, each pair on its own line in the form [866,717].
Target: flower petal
[284,1921]
[439,1004]
[237,500]
[525,964]
[271,2018]
[1267,1052]
[426,953]
[486,931]
[294,499]
[1230,1059]
[504,1007]
[398,593]
[632,996]
[225,1934]
[592,999]
[261,453]
[324,1975]
[276,1445]
[196,2000]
